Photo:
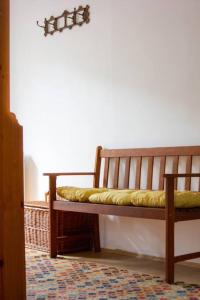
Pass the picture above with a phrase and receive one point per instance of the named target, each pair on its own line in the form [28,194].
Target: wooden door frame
[12,247]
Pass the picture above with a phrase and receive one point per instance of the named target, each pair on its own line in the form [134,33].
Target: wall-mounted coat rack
[78,16]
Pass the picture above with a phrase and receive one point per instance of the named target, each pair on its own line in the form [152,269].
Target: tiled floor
[187,272]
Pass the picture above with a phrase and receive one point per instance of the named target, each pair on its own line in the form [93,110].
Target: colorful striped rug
[70,279]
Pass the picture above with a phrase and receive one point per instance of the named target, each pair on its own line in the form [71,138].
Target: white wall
[130,78]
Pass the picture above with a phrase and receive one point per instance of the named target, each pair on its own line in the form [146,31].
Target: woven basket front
[36,228]
[74,232]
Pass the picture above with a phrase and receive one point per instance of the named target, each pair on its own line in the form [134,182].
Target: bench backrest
[141,167]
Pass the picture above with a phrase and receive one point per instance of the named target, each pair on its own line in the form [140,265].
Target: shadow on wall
[30,179]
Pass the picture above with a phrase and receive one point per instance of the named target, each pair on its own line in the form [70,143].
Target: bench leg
[96,238]
[169,251]
[170,217]
[53,234]
[52,218]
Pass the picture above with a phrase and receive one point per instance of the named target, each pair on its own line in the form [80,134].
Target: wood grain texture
[175,169]
[95,229]
[186,214]
[156,152]
[169,236]
[116,173]
[69,174]
[186,256]
[150,172]
[129,211]
[116,210]
[162,171]
[96,237]
[4,97]
[97,167]
[188,170]
[52,217]
[182,175]
[12,278]
[106,172]
[127,172]
[138,172]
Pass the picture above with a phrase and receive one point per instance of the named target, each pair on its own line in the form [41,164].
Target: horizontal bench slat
[186,214]
[181,214]
[68,174]
[157,151]
[186,256]
[127,211]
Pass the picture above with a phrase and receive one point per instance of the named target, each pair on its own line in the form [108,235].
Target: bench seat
[181,214]
[127,197]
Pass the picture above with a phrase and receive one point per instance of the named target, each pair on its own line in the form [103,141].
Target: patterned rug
[70,279]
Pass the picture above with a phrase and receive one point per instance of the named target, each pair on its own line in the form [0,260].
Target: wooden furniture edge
[69,174]
[37,204]
[105,209]
[147,152]
[182,175]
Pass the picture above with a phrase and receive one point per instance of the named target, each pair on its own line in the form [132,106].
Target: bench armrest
[182,175]
[69,174]
[53,179]
[169,192]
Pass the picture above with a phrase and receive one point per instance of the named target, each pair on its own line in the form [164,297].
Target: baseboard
[145,256]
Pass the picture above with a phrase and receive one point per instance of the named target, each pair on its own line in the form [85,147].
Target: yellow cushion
[77,194]
[183,199]
[118,197]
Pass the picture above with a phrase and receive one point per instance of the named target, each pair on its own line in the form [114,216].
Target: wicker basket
[37,225]
[74,229]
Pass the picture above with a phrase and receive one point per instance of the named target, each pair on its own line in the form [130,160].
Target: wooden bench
[107,157]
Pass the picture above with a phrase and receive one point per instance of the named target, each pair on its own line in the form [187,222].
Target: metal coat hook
[78,16]
[40,25]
